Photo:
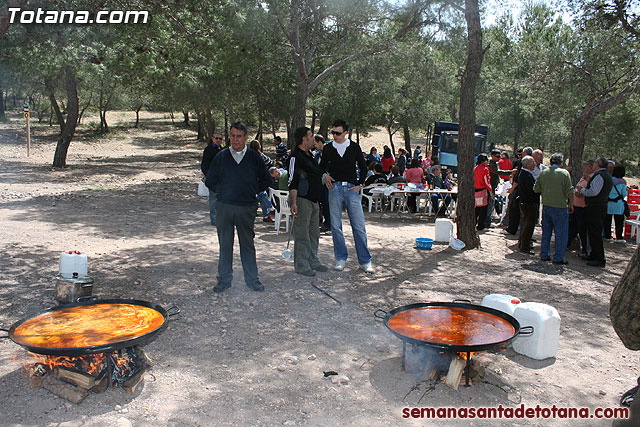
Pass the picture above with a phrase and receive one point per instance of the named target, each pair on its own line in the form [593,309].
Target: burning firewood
[132,383]
[63,389]
[81,380]
[455,372]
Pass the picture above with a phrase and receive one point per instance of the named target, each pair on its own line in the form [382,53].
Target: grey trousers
[242,218]
[306,234]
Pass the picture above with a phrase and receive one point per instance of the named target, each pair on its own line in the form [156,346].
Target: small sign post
[26,116]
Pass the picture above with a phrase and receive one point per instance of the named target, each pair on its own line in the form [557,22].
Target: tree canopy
[568,86]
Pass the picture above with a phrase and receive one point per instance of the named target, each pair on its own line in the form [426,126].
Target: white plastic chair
[399,197]
[373,200]
[280,200]
[635,225]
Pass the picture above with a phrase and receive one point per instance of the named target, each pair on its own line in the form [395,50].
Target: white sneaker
[367,267]
[340,265]
[621,241]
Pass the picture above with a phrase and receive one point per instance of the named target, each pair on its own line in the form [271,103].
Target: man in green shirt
[554,184]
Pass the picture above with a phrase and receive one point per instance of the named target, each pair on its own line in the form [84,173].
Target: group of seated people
[421,172]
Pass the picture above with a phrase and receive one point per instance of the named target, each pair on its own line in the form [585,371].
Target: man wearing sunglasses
[210,152]
[340,160]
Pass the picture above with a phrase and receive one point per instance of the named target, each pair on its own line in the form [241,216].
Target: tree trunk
[173,120]
[407,139]
[358,136]
[466,187]
[232,117]
[624,306]
[259,133]
[186,118]
[60,156]
[289,134]
[102,121]
[226,128]
[576,149]
[201,126]
[314,115]
[84,109]
[300,106]
[325,122]
[138,116]
[211,125]
[453,112]
[54,103]
[2,115]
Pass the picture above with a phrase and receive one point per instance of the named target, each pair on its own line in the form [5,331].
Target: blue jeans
[554,220]
[212,207]
[490,208]
[340,196]
[265,203]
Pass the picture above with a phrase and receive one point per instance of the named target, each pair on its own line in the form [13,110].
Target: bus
[444,143]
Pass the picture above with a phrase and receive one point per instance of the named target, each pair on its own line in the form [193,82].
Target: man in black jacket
[596,196]
[529,204]
[340,160]
[305,190]
[236,176]
[210,152]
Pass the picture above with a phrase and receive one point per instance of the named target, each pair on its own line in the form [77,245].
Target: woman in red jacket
[387,160]
[483,188]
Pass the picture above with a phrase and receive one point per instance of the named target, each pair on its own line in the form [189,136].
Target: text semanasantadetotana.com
[41,16]
[519,412]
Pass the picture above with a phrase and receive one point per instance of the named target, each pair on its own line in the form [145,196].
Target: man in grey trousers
[305,190]
[236,176]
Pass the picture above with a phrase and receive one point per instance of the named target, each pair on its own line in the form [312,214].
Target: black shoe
[258,287]
[587,257]
[324,229]
[596,263]
[545,259]
[528,252]
[562,262]
[308,273]
[321,268]
[221,287]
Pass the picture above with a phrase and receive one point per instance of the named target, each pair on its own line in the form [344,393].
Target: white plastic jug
[544,341]
[73,262]
[506,303]
[444,228]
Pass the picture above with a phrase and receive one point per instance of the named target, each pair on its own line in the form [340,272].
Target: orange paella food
[88,326]
[451,325]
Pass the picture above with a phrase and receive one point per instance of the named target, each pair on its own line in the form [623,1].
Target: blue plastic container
[424,243]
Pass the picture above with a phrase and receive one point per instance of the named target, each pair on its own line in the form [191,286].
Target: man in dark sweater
[236,176]
[529,204]
[305,190]
[596,196]
[340,159]
[208,155]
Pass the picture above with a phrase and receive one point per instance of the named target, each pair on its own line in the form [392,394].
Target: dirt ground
[244,358]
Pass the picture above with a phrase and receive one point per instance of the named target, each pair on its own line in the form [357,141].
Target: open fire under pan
[457,327]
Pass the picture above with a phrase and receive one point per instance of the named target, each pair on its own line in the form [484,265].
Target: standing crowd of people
[583,211]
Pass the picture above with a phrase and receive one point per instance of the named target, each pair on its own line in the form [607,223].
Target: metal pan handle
[87,298]
[173,310]
[4,330]
[526,331]
[466,301]
[380,316]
